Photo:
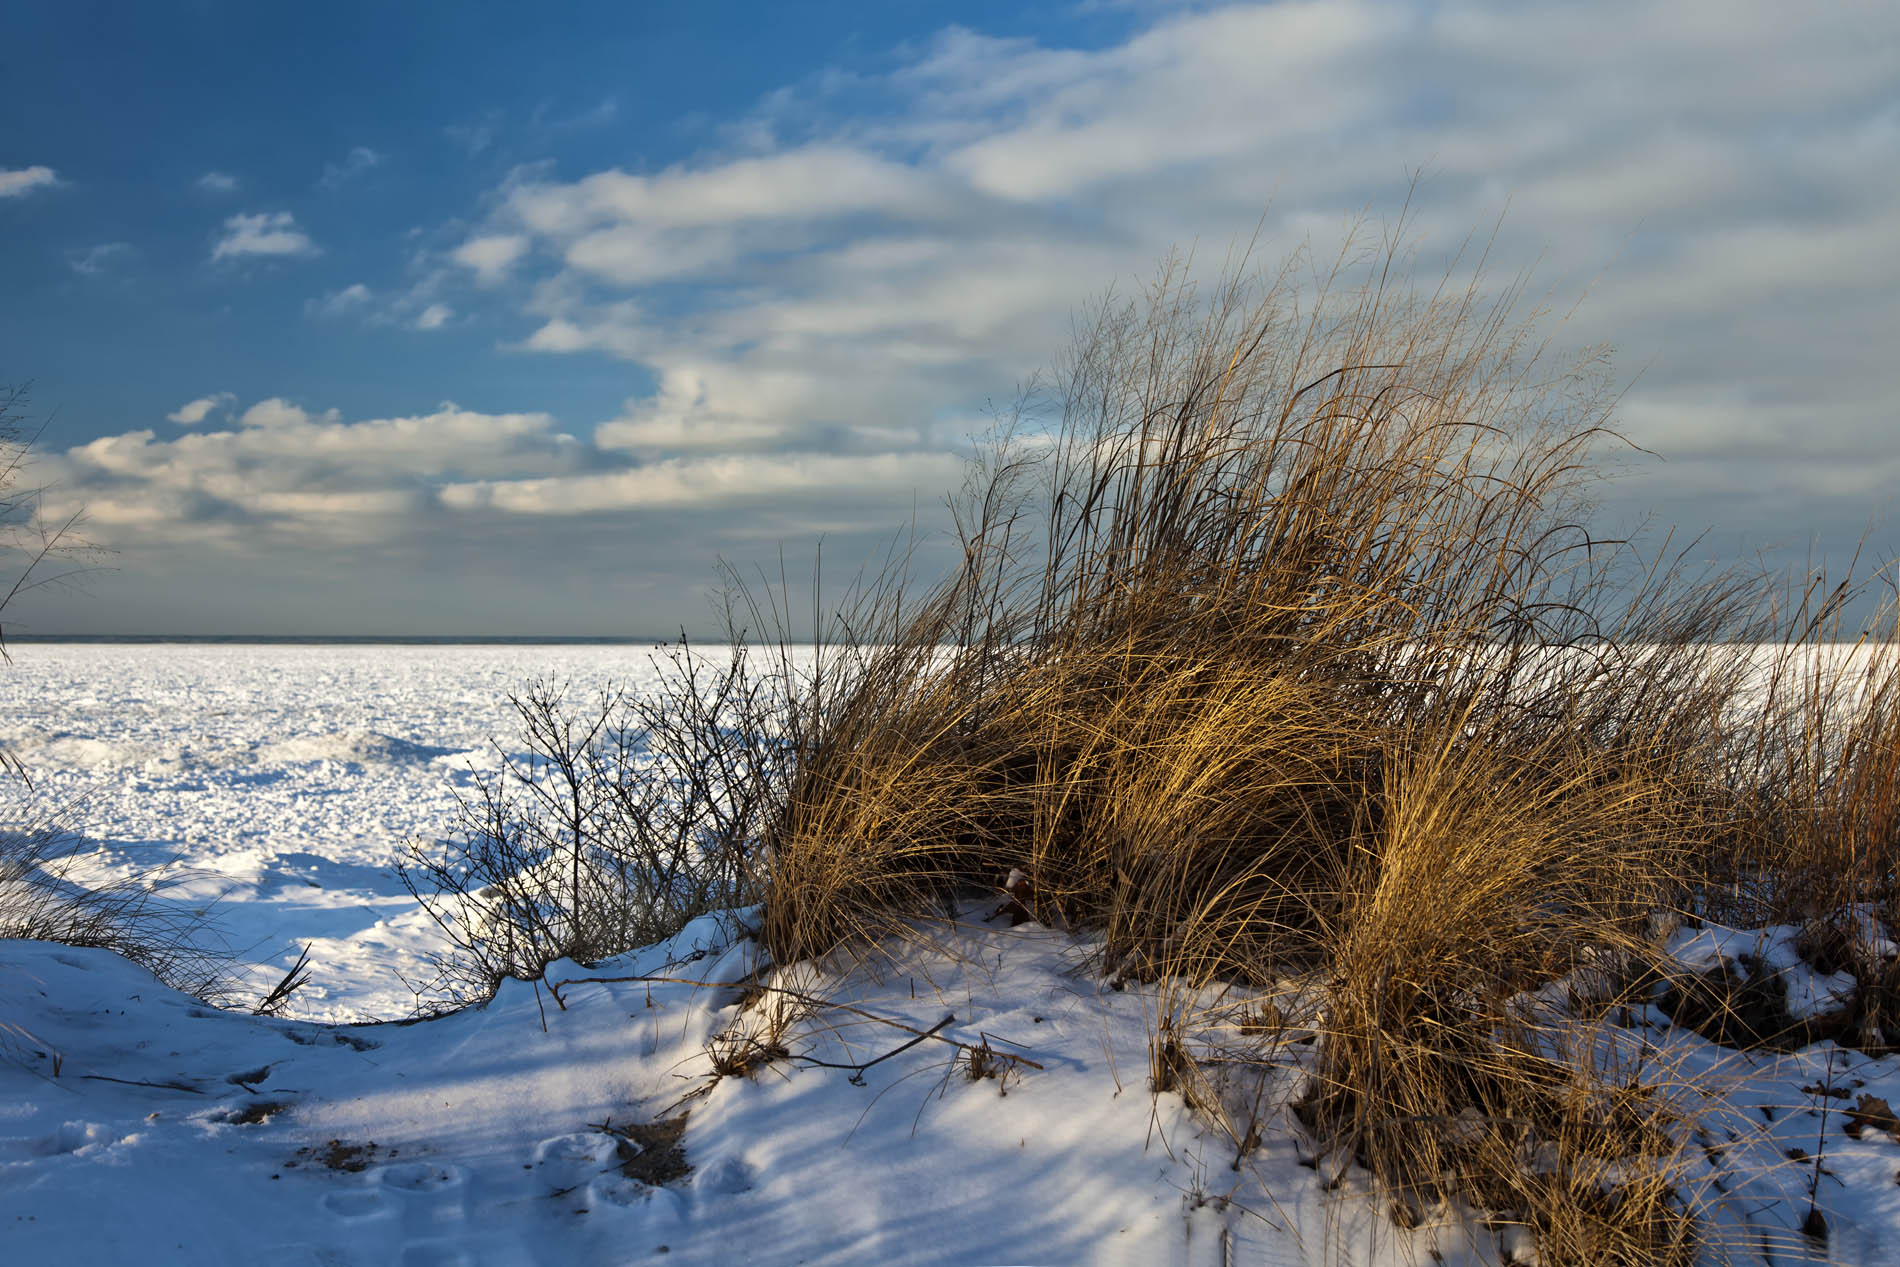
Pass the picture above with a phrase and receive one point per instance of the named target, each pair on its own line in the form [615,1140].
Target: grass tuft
[1284,656]
[1286,652]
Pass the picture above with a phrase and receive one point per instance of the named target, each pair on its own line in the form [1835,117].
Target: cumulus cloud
[278,413]
[193,412]
[491,256]
[218,183]
[288,469]
[270,233]
[359,160]
[280,473]
[94,260]
[823,302]
[414,307]
[871,272]
[17,182]
[707,483]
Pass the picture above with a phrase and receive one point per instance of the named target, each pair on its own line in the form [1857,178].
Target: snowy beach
[590,1119]
[276,782]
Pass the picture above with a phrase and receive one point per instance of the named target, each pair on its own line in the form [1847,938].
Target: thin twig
[799,996]
[140,1082]
[857,1071]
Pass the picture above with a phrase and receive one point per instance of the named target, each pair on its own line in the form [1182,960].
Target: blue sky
[477,318]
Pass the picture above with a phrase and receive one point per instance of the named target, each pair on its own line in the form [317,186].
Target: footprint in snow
[433,1195]
[419,1202]
[71,1137]
[662,1207]
[435,1254]
[356,1205]
[723,1177]
[580,1148]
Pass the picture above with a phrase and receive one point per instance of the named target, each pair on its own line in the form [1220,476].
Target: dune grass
[46,895]
[1284,654]
[1290,653]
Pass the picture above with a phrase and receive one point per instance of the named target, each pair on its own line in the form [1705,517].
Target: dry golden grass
[1287,653]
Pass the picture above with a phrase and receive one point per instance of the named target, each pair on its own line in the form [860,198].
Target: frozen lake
[279,781]
[276,783]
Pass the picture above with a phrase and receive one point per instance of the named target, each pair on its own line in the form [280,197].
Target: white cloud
[351,298]
[491,256]
[268,233]
[193,412]
[358,161]
[19,181]
[823,301]
[277,412]
[889,266]
[604,111]
[218,183]
[708,483]
[287,469]
[414,308]
[94,260]
[282,472]
[804,184]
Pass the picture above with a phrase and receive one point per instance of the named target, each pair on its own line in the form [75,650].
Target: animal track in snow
[421,1207]
[616,1190]
[71,1137]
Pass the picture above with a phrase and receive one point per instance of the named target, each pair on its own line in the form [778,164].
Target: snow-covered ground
[275,783]
[585,1121]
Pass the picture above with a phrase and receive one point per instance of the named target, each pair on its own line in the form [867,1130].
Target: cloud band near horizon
[828,295]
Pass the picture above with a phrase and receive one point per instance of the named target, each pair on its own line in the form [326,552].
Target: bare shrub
[626,817]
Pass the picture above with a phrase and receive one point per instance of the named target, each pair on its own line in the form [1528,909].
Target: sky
[487,319]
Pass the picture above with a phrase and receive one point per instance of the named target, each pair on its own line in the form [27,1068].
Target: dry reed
[1288,652]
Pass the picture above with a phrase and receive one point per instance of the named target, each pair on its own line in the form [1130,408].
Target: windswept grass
[1284,654]
[46,894]
[1290,653]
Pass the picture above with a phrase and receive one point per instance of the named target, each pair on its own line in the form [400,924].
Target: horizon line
[630,639]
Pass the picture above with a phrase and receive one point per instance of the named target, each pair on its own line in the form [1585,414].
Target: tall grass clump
[1284,649]
[47,893]
[1269,546]
[1282,653]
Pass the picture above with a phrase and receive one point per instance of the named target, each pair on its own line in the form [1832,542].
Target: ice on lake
[276,783]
